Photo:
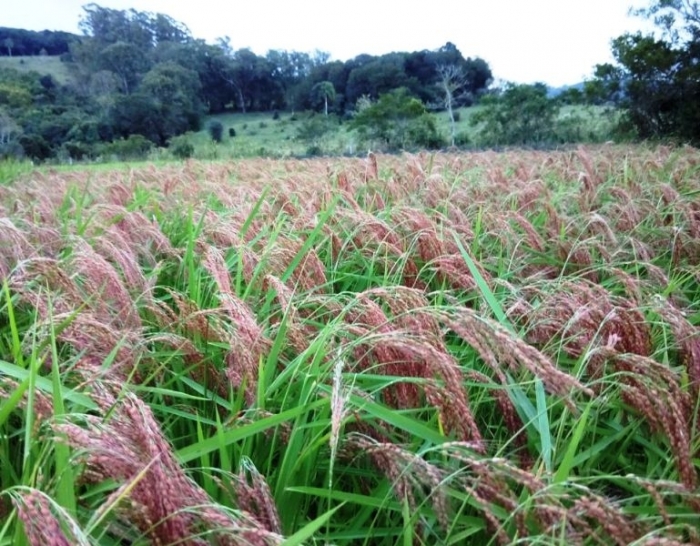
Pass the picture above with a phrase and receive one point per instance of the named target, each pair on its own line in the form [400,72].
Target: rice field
[422,349]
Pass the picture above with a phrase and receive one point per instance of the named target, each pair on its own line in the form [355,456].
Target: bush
[462,139]
[78,150]
[518,115]
[35,146]
[181,146]
[134,147]
[423,133]
[396,121]
[314,151]
[313,130]
[231,132]
[11,150]
[216,131]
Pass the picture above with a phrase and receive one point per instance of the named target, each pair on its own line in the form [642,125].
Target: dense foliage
[397,121]
[524,115]
[138,73]
[656,77]
[519,114]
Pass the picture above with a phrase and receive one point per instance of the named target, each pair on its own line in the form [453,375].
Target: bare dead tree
[452,77]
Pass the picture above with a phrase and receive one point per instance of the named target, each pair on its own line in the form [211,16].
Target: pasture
[43,64]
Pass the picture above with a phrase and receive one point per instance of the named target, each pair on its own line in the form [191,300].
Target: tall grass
[12,169]
[433,349]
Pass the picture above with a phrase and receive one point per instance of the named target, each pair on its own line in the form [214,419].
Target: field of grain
[430,349]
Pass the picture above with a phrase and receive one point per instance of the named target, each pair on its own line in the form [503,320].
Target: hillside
[45,64]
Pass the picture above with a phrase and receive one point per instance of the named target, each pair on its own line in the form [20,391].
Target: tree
[375,76]
[289,68]
[166,29]
[396,121]
[216,130]
[452,78]
[324,91]
[9,43]
[9,130]
[165,104]
[208,61]
[126,61]
[518,115]
[108,26]
[103,87]
[250,77]
[300,95]
[424,67]
[19,41]
[175,94]
[656,78]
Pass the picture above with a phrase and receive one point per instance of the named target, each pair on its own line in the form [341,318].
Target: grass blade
[310,529]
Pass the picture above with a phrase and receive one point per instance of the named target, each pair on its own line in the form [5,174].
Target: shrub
[396,121]
[134,147]
[35,146]
[314,151]
[313,129]
[518,115]
[11,150]
[462,139]
[78,150]
[181,146]
[216,131]
[231,132]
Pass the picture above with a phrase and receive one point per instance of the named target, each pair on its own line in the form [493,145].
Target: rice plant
[486,348]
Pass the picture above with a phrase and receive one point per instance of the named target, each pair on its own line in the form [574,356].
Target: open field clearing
[261,135]
[39,63]
[432,349]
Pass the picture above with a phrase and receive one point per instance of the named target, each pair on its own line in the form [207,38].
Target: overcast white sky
[555,41]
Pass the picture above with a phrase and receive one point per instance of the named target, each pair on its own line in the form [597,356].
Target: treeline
[655,78]
[144,77]
[18,42]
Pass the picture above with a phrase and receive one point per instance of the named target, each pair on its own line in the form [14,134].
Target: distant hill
[43,64]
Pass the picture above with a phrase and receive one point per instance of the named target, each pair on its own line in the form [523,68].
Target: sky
[554,41]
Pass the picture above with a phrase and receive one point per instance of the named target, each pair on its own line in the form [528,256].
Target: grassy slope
[445,349]
[43,65]
[258,134]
